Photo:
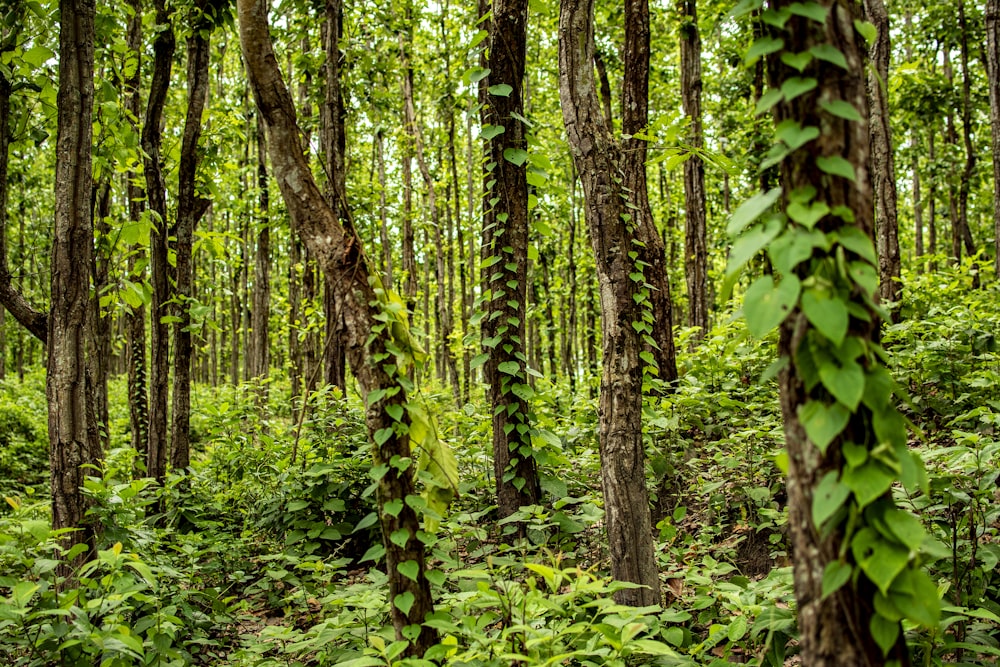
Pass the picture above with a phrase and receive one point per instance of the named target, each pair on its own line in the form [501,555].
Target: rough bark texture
[190,209]
[695,229]
[883,164]
[338,250]
[970,151]
[635,118]
[163,54]
[504,265]
[833,631]
[993,69]
[72,433]
[598,159]
[261,312]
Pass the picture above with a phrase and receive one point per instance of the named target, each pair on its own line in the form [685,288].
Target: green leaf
[809,10]
[879,559]
[796,85]
[382,435]
[794,135]
[864,275]
[797,61]
[501,90]
[906,527]
[836,165]
[823,422]
[404,602]
[488,132]
[846,383]
[884,632]
[515,155]
[766,305]
[857,242]
[866,30]
[828,315]
[830,54]
[771,97]
[395,411]
[37,55]
[478,361]
[868,483]
[393,507]
[807,215]
[366,522]
[829,496]
[297,505]
[737,629]
[400,537]
[751,209]
[509,367]
[762,47]
[794,247]
[920,593]
[835,574]
[750,243]
[476,74]
[409,569]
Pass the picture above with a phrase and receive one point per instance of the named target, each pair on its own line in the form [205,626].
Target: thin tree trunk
[635,118]
[389,275]
[339,250]
[695,229]
[99,359]
[190,209]
[73,437]
[882,160]
[261,312]
[993,68]
[970,151]
[598,158]
[163,55]
[504,260]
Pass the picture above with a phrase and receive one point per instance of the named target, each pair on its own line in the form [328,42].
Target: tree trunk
[72,431]
[598,159]
[970,151]
[99,358]
[504,260]
[635,118]
[163,55]
[339,251]
[190,209]
[695,230]
[882,160]
[261,312]
[835,629]
[993,69]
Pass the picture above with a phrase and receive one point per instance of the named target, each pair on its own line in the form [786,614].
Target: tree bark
[993,69]
[970,151]
[635,118]
[261,312]
[504,260]
[163,55]
[190,209]
[72,431]
[833,630]
[598,159]
[882,161]
[338,248]
[695,230]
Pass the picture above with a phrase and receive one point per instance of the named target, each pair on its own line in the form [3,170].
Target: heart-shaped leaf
[797,85]
[846,383]
[836,165]
[766,305]
[823,422]
[409,569]
[404,602]
[797,61]
[828,315]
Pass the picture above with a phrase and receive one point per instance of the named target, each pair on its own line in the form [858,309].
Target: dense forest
[529,332]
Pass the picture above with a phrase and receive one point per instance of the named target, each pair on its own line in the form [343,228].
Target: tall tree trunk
[334,140]
[993,70]
[882,161]
[695,229]
[389,275]
[99,359]
[635,118]
[261,312]
[136,317]
[190,209]
[835,629]
[163,56]
[970,151]
[338,248]
[598,159]
[504,260]
[73,438]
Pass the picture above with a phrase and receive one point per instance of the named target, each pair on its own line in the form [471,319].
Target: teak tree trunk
[635,118]
[504,259]
[260,315]
[598,159]
[73,435]
[163,56]
[695,229]
[993,68]
[338,249]
[190,209]
[883,164]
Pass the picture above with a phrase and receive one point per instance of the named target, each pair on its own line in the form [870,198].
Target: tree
[370,342]
[695,230]
[504,265]
[993,69]
[598,159]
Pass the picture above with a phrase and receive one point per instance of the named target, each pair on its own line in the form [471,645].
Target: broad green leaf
[823,422]
[884,632]
[409,569]
[857,242]
[395,411]
[830,54]
[794,135]
[846,383]
[509,367]
[488,132]
[737,629]
[866,30]
[404,602]
[752,242]
[762,47]
[865,276]
[501,90]
[797,61]
[393,507]
[868,483]
[794,247]
[382,435]
[836,165]
[478,360]
[828,315]
[828,497]
[906,527]
[917,597]
[366,522]
[771,97]
[751,209]
[400,537]
[881,560]
[797,85]
[809,10]
[515,155]
[835,574]
[766,305]
[476,74]
[807,215]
